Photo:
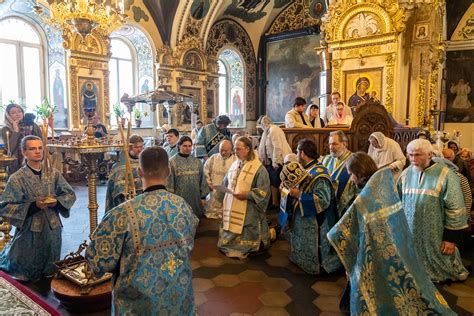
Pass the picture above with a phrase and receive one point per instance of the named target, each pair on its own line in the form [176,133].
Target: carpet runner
[16,299]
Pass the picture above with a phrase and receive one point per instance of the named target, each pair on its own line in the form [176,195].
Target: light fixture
[84,16]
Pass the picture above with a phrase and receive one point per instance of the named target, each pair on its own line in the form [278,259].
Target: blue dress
[146,243]
[377,250]
[36,245]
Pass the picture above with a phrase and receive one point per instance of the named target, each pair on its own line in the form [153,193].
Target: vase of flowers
[119,113]
[138,115]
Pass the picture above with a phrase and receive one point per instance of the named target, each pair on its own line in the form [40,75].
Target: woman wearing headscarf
[272,150]
[313,114]
[17,127]
[386,152]
[340,117]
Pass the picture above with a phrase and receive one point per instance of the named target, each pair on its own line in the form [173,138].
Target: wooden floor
[263,285]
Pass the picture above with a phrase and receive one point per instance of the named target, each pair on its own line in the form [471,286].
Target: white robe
[215,169]
[390,153]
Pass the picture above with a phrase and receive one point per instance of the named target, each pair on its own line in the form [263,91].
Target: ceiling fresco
[253,10]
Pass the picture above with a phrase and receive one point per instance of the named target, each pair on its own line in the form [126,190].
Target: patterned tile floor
[268,284]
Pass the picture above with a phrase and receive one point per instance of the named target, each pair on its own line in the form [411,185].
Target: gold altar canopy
[363,37]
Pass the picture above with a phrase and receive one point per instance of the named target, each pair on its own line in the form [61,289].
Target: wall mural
[460,96]
[296,16]
[247,10]
[292,71]
[199,9]
[228,33]
[138,13]
[454,13]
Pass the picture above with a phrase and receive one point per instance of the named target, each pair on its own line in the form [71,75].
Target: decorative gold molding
[296,17]
[390,82]
[421,100]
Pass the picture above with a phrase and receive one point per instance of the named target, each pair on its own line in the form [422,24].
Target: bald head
[225,148]
[449,154]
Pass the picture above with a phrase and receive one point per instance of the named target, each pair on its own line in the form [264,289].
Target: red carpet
[16,299]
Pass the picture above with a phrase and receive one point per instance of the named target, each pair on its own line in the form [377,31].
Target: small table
[70,296]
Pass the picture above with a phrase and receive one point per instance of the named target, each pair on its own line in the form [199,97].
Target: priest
[211,135]
[115,194]
[146,243]
[244,229]
[36,244]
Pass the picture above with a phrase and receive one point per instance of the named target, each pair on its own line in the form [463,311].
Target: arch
[193,59]
[234,89]
[230,34]
[383,20]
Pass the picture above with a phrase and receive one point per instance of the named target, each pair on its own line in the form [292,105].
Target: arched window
[121,67]
[131,69]
[231,87]
[21,64]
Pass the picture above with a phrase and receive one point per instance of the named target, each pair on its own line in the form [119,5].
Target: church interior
[144,66]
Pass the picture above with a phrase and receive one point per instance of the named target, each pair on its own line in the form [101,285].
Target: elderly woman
[244,228]
[386,152]
[272,151]
[16,127]
[313,114]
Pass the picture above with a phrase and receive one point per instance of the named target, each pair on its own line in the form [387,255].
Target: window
[131,69]
[121,73]
[21,64]
[231,87]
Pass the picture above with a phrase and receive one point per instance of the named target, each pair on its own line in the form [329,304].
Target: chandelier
[84,16]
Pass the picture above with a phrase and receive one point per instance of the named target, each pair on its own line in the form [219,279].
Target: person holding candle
[16,127]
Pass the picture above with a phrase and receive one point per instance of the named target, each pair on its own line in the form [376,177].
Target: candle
[8,143]
[107,10]
[123,6]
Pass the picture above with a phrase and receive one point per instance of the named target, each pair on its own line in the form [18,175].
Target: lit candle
[107,10]
[8,143]
[123,6]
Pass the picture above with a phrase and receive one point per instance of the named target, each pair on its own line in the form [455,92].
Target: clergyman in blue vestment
[36,244]
[434,206]
[115,194]
[211,135]
[312,211]
[374,243]
[146,243]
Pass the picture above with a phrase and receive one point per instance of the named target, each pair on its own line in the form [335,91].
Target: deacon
[211,135]
[376,247]
[335,162]
[244,229]
[215,169]
[434,206]
[116,185]
[312,211]
[187,177]
[171,146]
[37,240]
[146,243]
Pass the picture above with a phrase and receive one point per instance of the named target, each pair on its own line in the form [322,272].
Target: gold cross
[247,172]
[171,265]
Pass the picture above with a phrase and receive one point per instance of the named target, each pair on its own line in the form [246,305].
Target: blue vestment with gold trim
[146,243]
[374,243]
[116,183]
[209,139]
[344,189]
[36,245]
[310,218]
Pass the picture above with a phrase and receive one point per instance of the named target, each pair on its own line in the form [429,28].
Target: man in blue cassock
[312,211]
[115,194]
[211,135]
[434,206]
[146,243]
[244,229]
[187,178]
[335,162]
[374,243]
[36,244]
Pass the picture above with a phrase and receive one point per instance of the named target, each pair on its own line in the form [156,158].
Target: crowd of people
[394,228]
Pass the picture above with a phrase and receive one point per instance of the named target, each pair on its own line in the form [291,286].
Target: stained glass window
[231,87]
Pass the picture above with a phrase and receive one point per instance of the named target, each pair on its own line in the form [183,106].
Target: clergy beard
[418,168]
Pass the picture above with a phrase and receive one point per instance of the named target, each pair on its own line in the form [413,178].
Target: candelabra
[5,227]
